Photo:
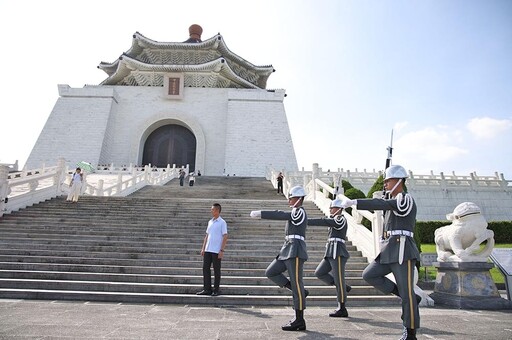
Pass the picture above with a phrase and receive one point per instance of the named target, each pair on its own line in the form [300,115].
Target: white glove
[348,203]
[256,214]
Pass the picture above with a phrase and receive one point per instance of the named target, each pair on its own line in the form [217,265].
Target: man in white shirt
[213,251]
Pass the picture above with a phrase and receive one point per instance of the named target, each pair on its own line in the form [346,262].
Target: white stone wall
[235,129]
[257,133]
[435,203]
[76,127]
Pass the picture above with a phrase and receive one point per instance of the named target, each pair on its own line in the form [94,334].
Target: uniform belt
[402,234]
[399,232]
[294,236]
[335,250]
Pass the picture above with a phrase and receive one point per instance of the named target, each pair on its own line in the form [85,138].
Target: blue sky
[439,73]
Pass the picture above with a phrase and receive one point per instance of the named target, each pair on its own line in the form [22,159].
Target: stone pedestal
[467,285]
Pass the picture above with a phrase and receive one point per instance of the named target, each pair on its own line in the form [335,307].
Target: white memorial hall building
[177,103]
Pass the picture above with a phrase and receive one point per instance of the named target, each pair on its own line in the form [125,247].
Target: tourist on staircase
[292,256]
[75,186]
[212,251]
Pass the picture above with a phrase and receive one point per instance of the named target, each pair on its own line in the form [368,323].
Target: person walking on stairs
[292,256]
[331,269]
[280,178]
[212,251]
[399,253]
[75,186]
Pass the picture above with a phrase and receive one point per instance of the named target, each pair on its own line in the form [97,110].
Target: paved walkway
[30,319]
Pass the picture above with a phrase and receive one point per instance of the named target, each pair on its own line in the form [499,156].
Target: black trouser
[208,259]
[337,278]
[294,266]
[279,187]
[375,274]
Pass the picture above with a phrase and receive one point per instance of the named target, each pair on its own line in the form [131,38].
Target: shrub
[346,186]
[353,194]
[377,186]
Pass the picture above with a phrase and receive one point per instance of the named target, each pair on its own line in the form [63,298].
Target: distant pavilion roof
[206,63]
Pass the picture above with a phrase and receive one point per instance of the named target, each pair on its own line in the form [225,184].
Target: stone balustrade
[435,194]
[24,188]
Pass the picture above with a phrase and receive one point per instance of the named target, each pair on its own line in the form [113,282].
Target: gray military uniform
[336,254]
[292,255]
[398,253]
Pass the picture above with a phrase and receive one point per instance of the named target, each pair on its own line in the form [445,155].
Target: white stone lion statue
[461,240]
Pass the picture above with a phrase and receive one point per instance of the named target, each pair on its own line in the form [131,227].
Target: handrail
[21,189]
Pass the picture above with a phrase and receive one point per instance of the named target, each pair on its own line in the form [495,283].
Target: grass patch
[432,272]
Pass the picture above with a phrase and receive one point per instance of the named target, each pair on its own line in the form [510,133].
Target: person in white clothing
[213,251]
[75,186]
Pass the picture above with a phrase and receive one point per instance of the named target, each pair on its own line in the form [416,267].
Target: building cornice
[187,57]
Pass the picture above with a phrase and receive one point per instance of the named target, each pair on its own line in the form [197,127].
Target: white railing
[126,182]
[21,189]
[363,180]
[319,184]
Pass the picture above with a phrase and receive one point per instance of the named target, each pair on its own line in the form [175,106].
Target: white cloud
[486,127]
[431,144]
[400,126]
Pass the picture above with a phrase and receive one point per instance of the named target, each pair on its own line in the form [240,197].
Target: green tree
[377,186]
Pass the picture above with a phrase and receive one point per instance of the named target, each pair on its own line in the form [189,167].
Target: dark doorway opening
[170,144]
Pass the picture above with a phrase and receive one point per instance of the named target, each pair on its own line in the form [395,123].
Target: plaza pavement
[32,319]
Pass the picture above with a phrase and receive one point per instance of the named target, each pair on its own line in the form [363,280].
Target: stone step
[145,270]
[192,299]
[145,248]
[197,278]
[173,288]
[178,256]
[227,263]
[156,246]
[144,252]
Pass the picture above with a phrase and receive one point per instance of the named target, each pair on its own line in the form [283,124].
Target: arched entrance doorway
[170,144]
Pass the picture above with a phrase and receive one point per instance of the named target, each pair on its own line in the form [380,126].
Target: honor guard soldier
[292,256]
[398,254]
[331,269]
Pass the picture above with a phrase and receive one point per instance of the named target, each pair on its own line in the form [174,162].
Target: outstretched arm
[318,222]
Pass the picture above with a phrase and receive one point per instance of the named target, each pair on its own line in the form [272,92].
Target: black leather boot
[297,324]
[408,334]
[340,312]
[288,286]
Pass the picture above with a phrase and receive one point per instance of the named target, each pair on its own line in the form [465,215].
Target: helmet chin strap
[337,211]
[396,185]
[296,202]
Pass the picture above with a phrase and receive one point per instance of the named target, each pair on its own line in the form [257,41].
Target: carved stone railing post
[60,176]
[503,182]
[4,187]
[100,187]
[119,183]
[313,179]
[474,184]
[377,225]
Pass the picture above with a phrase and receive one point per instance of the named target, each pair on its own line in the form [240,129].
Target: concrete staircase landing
[146,248]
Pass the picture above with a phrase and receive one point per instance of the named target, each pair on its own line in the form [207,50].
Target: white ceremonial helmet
[396,171]
[297,191]
[337,203]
